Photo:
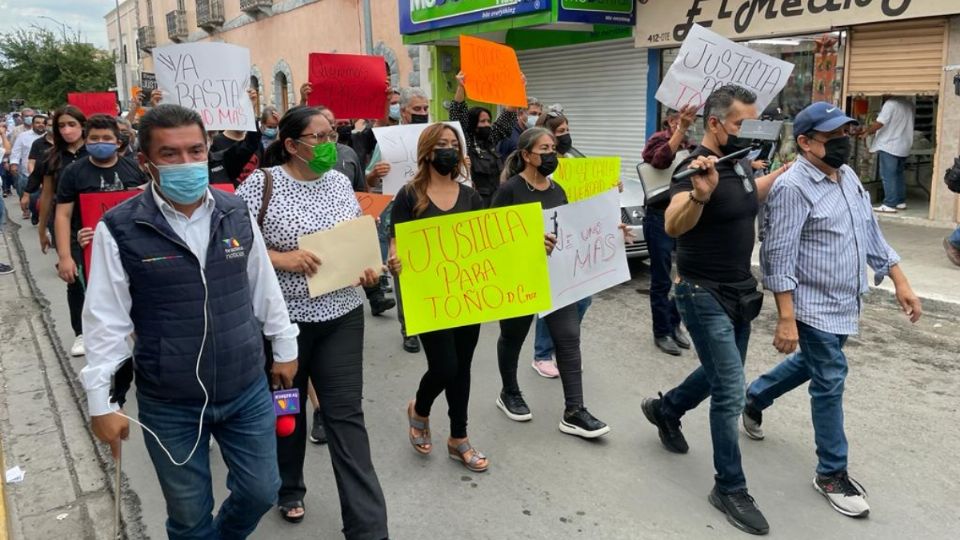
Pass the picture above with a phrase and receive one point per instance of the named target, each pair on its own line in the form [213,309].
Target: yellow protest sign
[473,267]
[582,178]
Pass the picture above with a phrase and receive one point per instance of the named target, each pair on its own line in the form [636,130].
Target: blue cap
[820,116]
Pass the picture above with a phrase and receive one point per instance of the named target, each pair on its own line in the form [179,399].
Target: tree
[41,68]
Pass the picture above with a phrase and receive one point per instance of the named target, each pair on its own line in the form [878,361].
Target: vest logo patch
[232,249]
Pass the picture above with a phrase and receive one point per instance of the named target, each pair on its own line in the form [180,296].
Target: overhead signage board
[618,12]
[666,23]
[423,15]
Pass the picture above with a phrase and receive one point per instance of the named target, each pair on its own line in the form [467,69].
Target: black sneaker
[380,303]
[583,424]
[318,435]
[6,269]
[681,337]
[741,510]
[411,344]
[668,428]
[750,420]
[513,405]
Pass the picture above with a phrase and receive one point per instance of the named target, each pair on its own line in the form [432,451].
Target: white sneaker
[845,494]
[884,209]
[902,206]
[77,349]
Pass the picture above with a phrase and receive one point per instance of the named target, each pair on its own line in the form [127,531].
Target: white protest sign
[708,60]
[398,147]
[590,255]
[210,78]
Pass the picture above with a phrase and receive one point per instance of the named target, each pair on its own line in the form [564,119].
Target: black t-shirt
[38,150]
[516,190]
[221,143]
[38,153]
[406,200]
[718,248]
[82,176]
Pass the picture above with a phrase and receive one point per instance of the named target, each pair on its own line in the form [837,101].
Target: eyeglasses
[322,137]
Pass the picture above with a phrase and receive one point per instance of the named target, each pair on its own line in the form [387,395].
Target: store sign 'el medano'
[667,22]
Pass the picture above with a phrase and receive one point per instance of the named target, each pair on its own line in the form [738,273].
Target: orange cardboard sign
[373,204]
[492,72]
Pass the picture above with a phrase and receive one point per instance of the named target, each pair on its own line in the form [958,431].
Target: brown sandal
[477,462]
[422,443]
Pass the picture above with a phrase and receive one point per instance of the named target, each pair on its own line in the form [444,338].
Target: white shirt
[21,149]
[106,310]
[896,135]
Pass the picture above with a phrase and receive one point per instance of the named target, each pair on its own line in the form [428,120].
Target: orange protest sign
[492,72]
[373,204]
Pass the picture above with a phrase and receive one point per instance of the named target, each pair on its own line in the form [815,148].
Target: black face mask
[419,118]
[445,160]
[838,152]
[548,163]
[483,133]
[733,144]
[564,143]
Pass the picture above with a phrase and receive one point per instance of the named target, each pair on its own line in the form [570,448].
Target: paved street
[901,415]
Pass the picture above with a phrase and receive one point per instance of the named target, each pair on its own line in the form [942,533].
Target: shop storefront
[577,53]
[849,52]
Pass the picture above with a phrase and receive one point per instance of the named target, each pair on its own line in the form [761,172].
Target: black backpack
[952,176]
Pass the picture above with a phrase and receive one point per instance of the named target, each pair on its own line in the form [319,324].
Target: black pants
[76,292]
[449,355]
[666,318]
[564,326]
[331,355]
[400,317]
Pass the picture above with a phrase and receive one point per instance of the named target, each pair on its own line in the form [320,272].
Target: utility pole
[367,27]
[124,98]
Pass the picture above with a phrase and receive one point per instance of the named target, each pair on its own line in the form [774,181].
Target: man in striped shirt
[820,237]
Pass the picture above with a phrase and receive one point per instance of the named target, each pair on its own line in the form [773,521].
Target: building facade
[853,54]
[122,41]
[280,35]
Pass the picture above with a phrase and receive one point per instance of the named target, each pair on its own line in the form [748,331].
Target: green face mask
[324,157]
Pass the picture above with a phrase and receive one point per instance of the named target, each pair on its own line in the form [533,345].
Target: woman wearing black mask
[436,190]
[559,125]
[527,171]
[482,136]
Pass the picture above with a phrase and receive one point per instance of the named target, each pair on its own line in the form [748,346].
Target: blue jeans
[721,345]
[821,361]
[21,183]
[955,238]
[543,348]
[661,246]
[245,431]
[891,174]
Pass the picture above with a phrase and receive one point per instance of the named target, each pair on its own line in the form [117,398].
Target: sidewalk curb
[131,522]
[4,525]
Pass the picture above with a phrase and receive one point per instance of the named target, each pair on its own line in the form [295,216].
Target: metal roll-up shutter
[896,58]
[603,90]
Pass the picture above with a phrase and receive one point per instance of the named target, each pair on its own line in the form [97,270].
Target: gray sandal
[422,444]
[473,463]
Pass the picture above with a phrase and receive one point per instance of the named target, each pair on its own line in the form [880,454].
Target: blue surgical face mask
[395,111]
[28,120]
[184,183]
[101,151]
[270,133]
[532,120]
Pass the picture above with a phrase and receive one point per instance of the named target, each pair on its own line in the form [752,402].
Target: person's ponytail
[513,166]
[274,154]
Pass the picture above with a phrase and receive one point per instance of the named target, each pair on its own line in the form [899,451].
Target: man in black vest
[181,268]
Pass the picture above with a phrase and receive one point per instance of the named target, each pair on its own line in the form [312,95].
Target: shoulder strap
[267,194]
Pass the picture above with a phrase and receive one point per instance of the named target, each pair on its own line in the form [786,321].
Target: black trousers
[449,355]
[331,356]
[564,326]
[76,292]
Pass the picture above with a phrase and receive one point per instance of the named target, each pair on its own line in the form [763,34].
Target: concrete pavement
[901,420]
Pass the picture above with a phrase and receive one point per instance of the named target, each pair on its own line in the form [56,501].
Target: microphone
[730,157]
[286,405]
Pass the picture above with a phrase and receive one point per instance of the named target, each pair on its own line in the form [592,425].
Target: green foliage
[41,68]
